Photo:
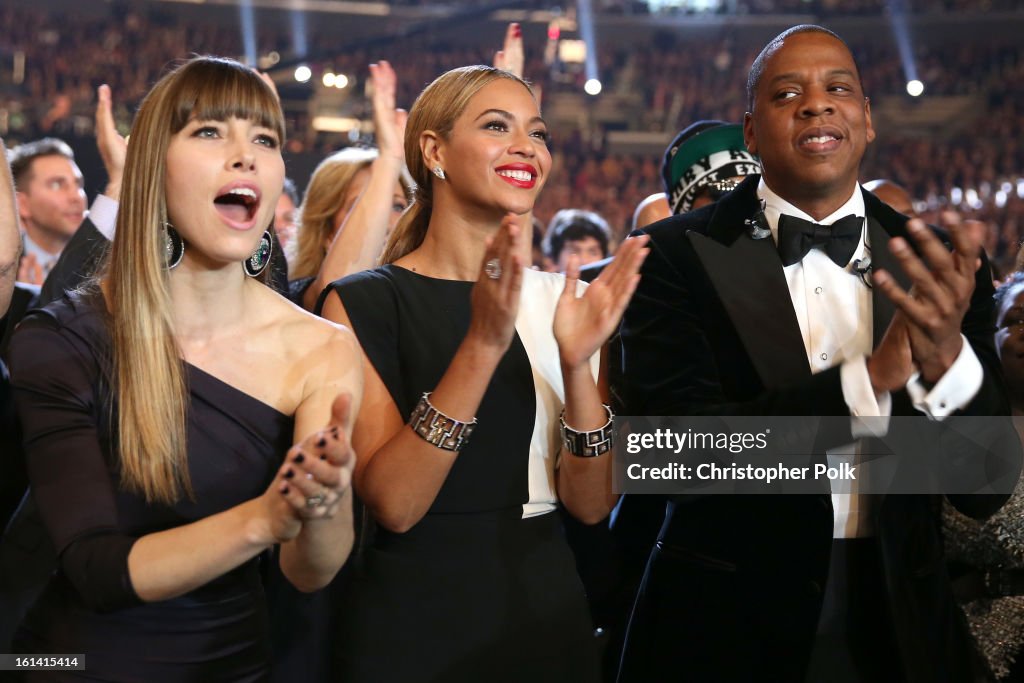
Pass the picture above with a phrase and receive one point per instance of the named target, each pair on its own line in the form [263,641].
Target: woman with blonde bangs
[353,201]
[160,407]
[473,363]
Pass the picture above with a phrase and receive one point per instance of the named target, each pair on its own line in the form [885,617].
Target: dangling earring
[260,259]
[439,172]
[174,246]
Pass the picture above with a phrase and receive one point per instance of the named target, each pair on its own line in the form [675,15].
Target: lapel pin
[758,226]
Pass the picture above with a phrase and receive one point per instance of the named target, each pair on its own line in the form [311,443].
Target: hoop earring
[174,246]
[439,172]
[260,259]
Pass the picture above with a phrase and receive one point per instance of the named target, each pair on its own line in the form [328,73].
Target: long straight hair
[149,375]
[437,108]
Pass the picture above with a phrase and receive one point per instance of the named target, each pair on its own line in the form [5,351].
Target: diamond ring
[316,501]
[492,269]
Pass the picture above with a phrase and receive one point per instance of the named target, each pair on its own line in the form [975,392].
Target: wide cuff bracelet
[587,444]
[437,428]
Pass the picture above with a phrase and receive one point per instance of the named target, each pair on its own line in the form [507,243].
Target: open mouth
[518,176]
[238,205]
[820,141]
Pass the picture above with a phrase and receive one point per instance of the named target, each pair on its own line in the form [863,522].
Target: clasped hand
[315,475]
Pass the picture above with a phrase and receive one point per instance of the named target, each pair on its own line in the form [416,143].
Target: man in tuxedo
[747,307]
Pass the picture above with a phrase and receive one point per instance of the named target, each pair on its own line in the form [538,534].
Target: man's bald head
[893,195]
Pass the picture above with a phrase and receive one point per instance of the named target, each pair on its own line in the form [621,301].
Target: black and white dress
[484,587]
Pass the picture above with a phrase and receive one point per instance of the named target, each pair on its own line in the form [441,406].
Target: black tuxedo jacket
[734,588]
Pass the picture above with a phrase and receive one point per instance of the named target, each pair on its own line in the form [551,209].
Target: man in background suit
[51,202]
[810,587]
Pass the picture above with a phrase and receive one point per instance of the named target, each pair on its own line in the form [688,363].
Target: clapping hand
[583,323]
[943,283]
[315,475]
[495,297]
[30,270]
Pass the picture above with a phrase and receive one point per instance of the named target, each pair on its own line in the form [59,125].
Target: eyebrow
[794,76]
[1012,310]
[507,115]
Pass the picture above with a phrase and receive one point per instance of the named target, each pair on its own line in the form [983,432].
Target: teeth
[820,139]
[243,191]
[524,176]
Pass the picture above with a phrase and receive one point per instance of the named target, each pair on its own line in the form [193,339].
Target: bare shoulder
[308,333]
[318,351]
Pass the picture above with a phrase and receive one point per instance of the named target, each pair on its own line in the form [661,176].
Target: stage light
[298,25]
[585,16]
[328,79]
[303,74]
[901,33]
[341,81]
[248,20]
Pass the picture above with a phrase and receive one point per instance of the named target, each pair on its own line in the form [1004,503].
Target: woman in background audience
[353,201]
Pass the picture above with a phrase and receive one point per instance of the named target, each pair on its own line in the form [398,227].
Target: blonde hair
[149,375]
[437,108]
[324,196]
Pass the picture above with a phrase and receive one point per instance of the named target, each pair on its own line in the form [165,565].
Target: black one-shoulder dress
[60,361]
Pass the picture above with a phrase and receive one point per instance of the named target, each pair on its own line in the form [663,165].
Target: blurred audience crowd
[977,167]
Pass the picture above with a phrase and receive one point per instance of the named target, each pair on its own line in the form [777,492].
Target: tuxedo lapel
[747,276]
[882,309]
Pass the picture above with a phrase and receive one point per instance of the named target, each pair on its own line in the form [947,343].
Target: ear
[24,211]
[432,148]
[869,130]
[748,133]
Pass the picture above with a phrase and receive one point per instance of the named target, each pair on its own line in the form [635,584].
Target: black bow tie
[839,240]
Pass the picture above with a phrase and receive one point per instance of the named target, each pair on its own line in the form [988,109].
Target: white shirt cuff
[103,214]
[954,390]
[862,400]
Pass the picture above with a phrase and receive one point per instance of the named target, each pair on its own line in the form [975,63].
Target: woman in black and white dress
[471,361]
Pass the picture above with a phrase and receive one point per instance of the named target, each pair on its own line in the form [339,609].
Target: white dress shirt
[833,308]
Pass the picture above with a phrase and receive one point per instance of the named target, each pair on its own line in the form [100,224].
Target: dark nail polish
[289,474]
[322,442]
[323,457]
[298,458]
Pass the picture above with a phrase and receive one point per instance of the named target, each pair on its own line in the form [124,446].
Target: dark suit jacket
[735,590]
